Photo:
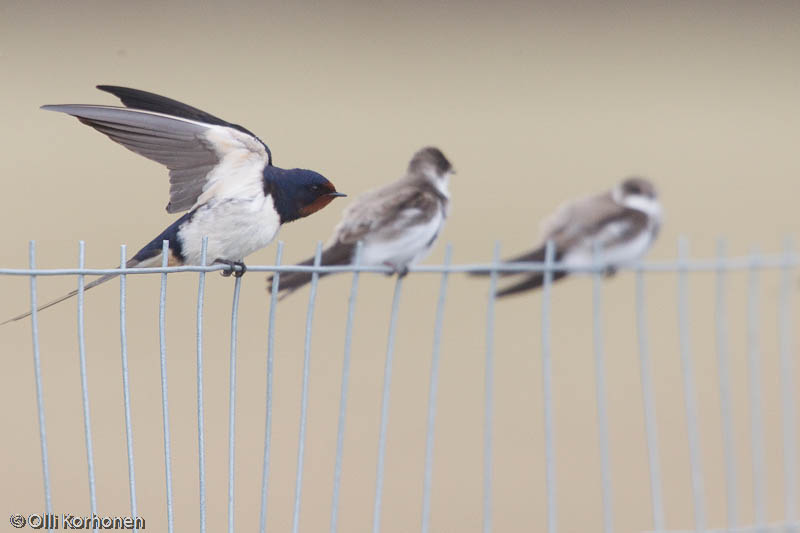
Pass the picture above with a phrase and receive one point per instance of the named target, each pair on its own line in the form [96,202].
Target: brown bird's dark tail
[536,256]
[130,264]
[338,254]
[533,281]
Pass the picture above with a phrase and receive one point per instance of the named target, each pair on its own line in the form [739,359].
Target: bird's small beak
[336,194]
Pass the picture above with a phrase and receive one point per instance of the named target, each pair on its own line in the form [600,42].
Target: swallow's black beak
[336,194]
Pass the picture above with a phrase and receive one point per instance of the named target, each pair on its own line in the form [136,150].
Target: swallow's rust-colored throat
[319,203]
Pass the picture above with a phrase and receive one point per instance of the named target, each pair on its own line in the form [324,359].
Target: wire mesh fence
[785,263]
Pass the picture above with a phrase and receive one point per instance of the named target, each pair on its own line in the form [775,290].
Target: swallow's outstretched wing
[206,156]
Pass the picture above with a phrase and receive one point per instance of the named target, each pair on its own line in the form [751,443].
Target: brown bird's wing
[379,215]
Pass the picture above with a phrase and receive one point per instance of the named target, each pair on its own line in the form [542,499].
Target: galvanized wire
[547,390]
[301,446]
[87,419]
[690,402]
[232,402]
[348,343]
[126,391]
[37,374]
[273,305]
[650,423]
[201,440]
[600,394]
[787,262]
[723,357]
[754,381]
[433,391]
[771,262]
[162,345]
[387,384]
[789,409]
[488,393]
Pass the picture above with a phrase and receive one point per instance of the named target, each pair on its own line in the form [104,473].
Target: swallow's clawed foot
[402,271]
[237,268]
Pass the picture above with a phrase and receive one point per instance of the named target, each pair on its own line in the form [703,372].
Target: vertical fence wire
[488,392]
[201,439]
[547,390]
[273,305]
[754,389]
[723,358]
[162,345]
[786,343]
[37,374]
[600,392]
[433,390]
[126,391]
[348,343]
[237,284]
[87,420]
[387,383]
[301,446]
[690,402]
[648,402]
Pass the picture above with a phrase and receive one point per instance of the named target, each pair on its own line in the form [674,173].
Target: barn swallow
[220,172]
[621,224]
[397,224]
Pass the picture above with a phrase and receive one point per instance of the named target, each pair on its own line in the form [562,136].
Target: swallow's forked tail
[338,254]
[130,264]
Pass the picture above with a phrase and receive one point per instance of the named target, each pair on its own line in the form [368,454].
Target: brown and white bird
[621,224]
[397,224]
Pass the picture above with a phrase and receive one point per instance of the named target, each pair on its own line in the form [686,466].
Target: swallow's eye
[315,188]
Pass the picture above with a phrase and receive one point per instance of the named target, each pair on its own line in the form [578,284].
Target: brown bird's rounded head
[637,186]
[430,162]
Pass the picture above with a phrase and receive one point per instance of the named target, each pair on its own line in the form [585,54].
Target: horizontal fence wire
[786,264]
[765,262]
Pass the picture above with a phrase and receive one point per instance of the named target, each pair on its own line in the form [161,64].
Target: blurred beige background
[535,103]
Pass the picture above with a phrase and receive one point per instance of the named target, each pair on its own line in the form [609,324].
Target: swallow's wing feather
[385,213]
[204,160]
[138,99]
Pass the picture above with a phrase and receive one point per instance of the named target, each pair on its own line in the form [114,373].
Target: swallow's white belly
[235,228]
